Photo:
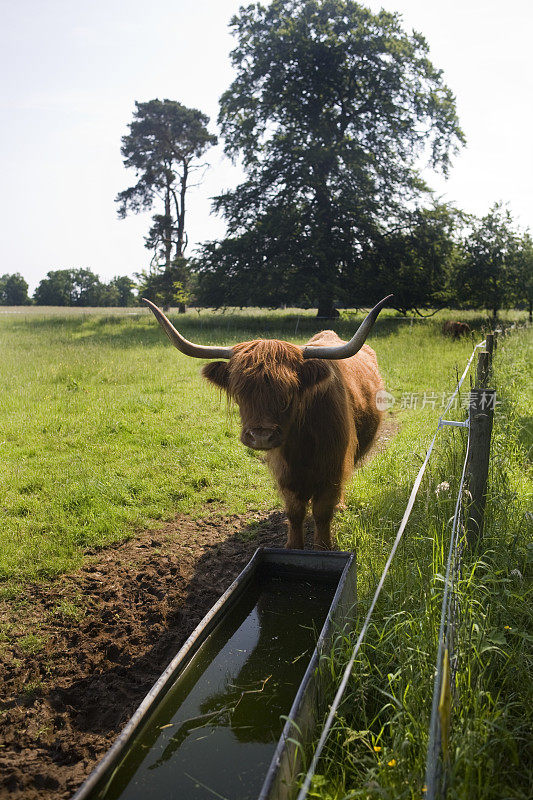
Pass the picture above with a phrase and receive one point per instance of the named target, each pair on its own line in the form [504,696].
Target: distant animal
[312,408]
[455,329]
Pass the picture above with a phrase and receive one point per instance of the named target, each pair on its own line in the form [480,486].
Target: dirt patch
[101,637]
[79,655]
[387,430]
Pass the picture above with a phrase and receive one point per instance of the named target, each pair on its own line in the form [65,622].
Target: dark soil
[102,636]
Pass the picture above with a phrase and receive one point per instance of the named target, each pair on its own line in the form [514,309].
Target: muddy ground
[102,636]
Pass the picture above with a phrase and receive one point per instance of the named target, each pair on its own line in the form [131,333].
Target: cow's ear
[217,372]
[314,372]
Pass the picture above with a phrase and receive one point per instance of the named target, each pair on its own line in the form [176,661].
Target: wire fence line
[306,785]
[446,658]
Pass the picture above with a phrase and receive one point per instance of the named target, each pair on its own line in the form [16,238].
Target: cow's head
[271,381]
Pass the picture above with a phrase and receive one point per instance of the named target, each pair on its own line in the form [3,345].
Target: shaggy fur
[455,329]
[321,414]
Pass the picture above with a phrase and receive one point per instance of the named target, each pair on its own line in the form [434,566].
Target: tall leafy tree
[485,277]
[415,259]
[123,287]
[331,111]
[13,290]
[56,289]
[69,287]
[164,143]
[522,273]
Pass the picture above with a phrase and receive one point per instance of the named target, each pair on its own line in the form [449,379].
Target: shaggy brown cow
[455,329]
[312,408]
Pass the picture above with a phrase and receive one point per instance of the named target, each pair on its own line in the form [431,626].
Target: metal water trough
[338,570]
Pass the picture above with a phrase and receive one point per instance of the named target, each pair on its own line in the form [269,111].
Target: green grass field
[106,429]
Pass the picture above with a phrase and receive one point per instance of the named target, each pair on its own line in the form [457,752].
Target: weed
[68,610]
[31,643]
[32,689]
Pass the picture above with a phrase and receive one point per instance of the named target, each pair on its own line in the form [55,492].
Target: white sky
[72,70]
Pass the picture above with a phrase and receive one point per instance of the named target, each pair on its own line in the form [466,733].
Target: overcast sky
[71,72]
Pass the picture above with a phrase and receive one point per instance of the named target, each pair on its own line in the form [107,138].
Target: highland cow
[455,329]
[311,408]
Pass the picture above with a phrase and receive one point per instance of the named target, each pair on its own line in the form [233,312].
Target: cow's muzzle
[261,438]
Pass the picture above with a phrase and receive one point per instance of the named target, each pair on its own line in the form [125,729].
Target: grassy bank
[378,747]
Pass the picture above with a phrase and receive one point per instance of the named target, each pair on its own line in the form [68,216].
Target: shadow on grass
[139,327]
[222,329]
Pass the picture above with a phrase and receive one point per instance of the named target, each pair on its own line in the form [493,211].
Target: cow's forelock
[263,377]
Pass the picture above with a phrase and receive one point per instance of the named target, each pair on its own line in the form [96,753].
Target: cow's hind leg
[295,507]
[323,509]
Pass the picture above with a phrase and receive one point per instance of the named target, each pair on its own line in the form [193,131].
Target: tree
[124,288]
[485,276]
[331,110]
[69,287]
[269,264]
[522,273]
[87,288]
[415,259]
[57,289]
[13,290]
[167,285]
[165,140]
[81,287]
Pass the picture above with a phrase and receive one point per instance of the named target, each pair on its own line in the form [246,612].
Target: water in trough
[215,731]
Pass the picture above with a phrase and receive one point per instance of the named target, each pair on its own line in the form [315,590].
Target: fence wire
[306,785]
[439,725]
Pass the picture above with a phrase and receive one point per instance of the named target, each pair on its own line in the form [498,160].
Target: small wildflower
[442,487]
[392,763]
[377,748]
[507,627]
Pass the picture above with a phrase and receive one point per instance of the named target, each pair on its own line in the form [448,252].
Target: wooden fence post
[483,370]
[489,347]
[481,414]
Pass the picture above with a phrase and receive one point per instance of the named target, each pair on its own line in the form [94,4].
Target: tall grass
[378,746]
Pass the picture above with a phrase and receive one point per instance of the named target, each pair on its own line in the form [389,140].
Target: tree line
[68,287]
[440,258]
[334,112]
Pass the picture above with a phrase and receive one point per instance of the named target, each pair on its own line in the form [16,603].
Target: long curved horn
[356,342]
[189,348]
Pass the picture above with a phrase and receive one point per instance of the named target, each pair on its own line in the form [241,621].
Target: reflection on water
[215,731]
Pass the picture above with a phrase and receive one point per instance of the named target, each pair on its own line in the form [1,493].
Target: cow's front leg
[295,508]
[323,509]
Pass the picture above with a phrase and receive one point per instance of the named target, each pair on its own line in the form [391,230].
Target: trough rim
[111,759]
